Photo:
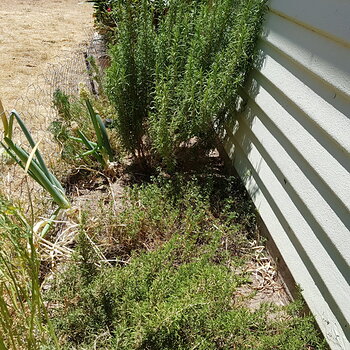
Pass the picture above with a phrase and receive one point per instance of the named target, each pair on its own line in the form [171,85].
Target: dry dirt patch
[34,33]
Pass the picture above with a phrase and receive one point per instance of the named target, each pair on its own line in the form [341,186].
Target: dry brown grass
[34,33]
[36,36]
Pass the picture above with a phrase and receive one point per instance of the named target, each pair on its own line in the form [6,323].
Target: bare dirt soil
[34,33]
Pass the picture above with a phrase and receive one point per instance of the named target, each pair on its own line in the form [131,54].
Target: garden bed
[150,245]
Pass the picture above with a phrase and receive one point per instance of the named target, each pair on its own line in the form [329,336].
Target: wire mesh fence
[36,108]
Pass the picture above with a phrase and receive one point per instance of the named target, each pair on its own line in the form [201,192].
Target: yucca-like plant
[33,162]
[101,149]
[79,123]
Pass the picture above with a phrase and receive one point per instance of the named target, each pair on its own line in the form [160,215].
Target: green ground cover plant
[179,293]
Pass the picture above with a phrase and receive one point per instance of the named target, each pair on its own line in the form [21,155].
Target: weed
[154,212]
[70,112]
[62,104]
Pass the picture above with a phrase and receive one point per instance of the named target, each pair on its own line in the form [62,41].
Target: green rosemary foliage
[177,67]
[208,53]
[129,79]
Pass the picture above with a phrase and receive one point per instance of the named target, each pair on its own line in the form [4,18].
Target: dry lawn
[34,33]
[34,36]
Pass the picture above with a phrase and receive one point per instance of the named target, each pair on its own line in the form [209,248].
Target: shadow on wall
[239,141]
[229,132]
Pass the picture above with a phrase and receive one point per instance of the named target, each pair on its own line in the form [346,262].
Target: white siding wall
[291,146]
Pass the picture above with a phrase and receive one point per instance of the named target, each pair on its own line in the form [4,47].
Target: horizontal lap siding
[291,145]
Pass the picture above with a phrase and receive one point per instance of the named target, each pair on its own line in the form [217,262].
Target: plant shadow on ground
[163,271]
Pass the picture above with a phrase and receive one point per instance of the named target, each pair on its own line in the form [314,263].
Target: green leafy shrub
[197,82]
[104,14]
[130,77]
[176,78]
